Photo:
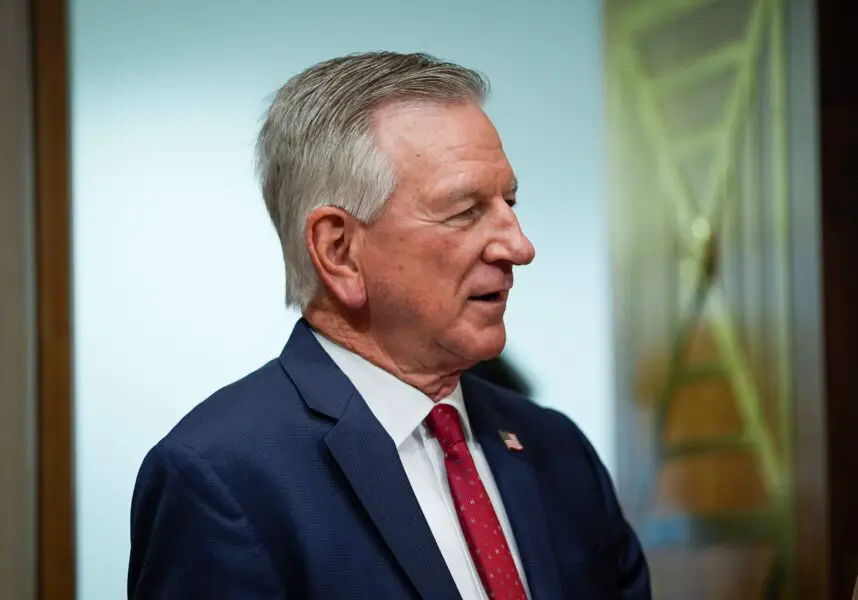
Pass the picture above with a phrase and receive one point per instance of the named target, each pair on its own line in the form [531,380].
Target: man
[362,463]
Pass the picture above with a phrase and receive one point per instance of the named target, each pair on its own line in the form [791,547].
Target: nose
[510,244]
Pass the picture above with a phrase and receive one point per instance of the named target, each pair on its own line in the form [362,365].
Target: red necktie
[478,519]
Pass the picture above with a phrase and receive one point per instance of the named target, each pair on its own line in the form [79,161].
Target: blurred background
[685,167]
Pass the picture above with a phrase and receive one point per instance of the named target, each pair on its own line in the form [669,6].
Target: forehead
[442,145]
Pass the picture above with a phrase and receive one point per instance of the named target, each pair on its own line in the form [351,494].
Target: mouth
[489,298]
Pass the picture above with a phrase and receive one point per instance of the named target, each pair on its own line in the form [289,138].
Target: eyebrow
[511,188]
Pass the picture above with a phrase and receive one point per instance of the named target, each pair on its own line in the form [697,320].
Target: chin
[485,344]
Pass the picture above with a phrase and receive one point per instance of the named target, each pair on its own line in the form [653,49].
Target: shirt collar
[399,407]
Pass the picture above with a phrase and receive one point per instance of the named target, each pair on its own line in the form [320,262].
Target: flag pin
[511,441]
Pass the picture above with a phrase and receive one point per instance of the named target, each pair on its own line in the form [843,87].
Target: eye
[470,213]
[511,202]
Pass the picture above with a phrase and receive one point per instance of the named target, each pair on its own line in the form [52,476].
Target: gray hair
[317,148]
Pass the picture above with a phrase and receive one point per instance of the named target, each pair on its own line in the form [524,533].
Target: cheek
[432,261]
[421,271]
[451,257]
[392,278]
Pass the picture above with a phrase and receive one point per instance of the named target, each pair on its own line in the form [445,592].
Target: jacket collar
[368,457]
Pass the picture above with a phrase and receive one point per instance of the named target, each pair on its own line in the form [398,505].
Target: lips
[490,297]
[495,296]
[492,290]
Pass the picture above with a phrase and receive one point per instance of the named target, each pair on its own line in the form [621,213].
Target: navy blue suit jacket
[284,485]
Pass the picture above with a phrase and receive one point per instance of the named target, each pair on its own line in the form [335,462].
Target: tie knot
[443,421]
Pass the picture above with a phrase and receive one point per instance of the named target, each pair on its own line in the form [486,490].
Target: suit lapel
[369,459]
[519,488]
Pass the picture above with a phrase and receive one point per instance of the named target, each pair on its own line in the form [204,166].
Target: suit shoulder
[238,413]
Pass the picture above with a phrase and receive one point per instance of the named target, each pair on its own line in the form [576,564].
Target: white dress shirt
[401,410]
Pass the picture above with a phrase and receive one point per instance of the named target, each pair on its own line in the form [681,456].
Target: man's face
[437,264]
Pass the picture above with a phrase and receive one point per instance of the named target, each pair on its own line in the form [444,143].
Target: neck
[354,334]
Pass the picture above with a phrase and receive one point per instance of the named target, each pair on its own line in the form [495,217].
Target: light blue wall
[177,273]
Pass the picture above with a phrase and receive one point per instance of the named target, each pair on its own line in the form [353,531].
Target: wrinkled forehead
[447,144]
[427,131]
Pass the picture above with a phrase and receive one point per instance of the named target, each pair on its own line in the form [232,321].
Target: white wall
[178,277]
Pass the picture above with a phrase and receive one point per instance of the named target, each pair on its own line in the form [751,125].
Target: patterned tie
[480,524]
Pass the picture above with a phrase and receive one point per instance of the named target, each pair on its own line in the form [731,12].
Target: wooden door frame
[36,451]
[55,425]
[838,93]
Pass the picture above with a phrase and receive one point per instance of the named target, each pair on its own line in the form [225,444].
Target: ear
[331,241]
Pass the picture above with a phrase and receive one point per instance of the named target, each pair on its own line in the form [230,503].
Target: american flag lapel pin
[511,441]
